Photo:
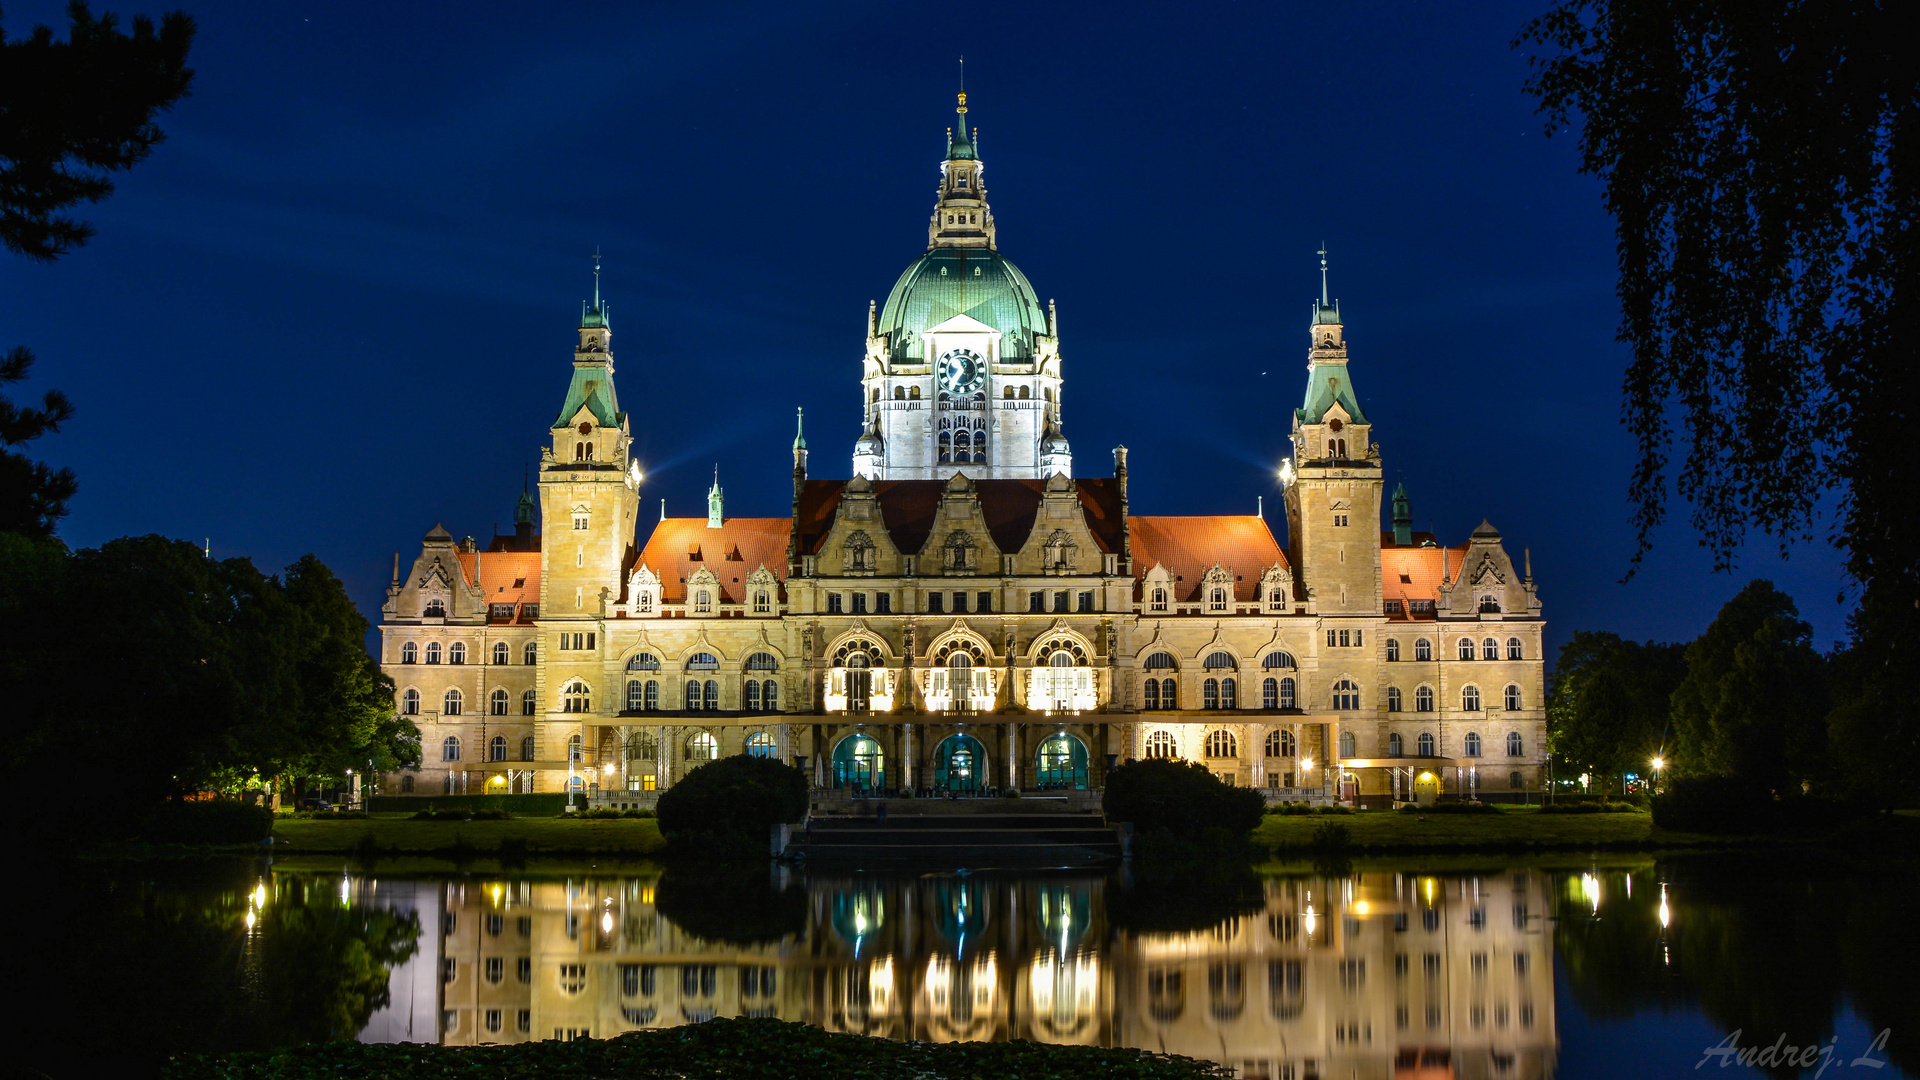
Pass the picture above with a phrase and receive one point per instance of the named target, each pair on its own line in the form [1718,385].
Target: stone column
[1013,759]
[907,772]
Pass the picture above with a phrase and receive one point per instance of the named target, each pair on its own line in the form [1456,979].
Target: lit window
[703,747]
[1280,744]
[1160,744]
[1221,744]
[575,697]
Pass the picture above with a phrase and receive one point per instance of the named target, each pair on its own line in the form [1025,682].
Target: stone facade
[930,624]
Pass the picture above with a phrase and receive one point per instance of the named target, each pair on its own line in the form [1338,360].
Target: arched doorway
[1061,762]
[859,763]
[960,764]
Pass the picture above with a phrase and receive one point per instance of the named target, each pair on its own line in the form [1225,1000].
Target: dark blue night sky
[338,304]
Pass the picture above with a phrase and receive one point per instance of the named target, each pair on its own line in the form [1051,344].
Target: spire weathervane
[1323,274]
[596,277]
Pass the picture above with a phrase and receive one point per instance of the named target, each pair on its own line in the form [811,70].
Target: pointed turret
[1402,516]
[715,517]
[961,217]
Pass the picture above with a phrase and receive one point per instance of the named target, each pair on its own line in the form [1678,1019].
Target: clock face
[962,372]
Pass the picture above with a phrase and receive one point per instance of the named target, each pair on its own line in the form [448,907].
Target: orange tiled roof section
[908,508]
[680,546]
[1414,573]
[507,577]
[1189,546]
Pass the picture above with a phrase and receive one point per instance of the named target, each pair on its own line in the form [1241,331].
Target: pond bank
[1396,832]
[514,837]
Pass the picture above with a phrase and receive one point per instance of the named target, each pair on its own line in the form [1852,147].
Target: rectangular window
[1356,638]
[983,603]
[525,970]
[1343,639]
[1421,607]
[859,603]
[833,603]
[1086,601]
[883,603]
[1060,602]
[524,1021]
[935,602]
[959,603]
[1037,602]
[500,612]
[493,1021]
[496,969]
[1333,638]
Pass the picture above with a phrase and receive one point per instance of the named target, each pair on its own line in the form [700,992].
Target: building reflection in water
[1368,975]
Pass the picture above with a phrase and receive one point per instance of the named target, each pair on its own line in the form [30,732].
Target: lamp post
[1658,763]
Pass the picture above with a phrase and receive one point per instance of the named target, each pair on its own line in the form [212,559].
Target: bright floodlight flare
[1306,763]
[1659,763]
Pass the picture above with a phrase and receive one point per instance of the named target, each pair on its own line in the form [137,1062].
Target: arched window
[501,653]
[576,752]
[636,695]
[1513,698]
[1277,661]
[1515,748]
[1160,744]
[651,703]
[1396,746]
[1514,651]
[1229,694]
[1161,661]
[526,748]
[1218,599]
[750,695]
[450,748]
[1423,699]
[693,695]
[1422,649]
[713,694]
[1217,661]
[1347,745]
[1489,650]
[576,697]
[1210,694]
[1470,698]
[1426,744]
[1221,744]
[410,702]
[409,653]
[450,705]
[643,661]
[1466,648]
[762,602]
[499,748]
[1280,744]
[457,653]
[762,662]
[1489,604]
[406,785]
[528,703]
[760,744]
[1026,393]
[703,747]
[702,602]
[1393,699]
[1472,748]
[1287,693]
[946,448]
[436,609]
[1150,694]
[530,654]
[770,695]
[1393,649]
[1515,782]
[703,661]
[1346,695]
[497,703]
[433,652]
[1159,600]
[1270,693]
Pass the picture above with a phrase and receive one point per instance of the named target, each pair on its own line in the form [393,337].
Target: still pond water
[1617,967]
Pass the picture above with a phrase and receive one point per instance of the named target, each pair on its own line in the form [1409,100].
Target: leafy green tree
[1754,700]
[72,113]
[728,806]
[1180,797]
[1607,710]
[1761,161]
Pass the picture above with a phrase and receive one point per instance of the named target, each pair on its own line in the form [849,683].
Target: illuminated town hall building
[969,610]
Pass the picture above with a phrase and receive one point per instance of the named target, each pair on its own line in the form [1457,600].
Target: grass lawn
[1384,829]
[542,835]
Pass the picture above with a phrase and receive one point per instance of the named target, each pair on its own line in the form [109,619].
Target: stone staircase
[990,836]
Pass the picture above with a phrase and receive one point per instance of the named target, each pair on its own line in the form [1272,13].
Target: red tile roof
[1421,567]
[1189,546]
[507,577]
[680,546]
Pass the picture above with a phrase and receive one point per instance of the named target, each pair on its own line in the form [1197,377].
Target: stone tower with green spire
[1334,486]
[1402,516]
[589,487]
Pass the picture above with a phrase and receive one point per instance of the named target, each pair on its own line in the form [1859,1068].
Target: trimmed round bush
[1179,797]
[736,796]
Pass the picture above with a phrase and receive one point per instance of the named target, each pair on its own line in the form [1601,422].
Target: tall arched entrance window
[960,764]
[1062,763]
[859,763]
[852,681]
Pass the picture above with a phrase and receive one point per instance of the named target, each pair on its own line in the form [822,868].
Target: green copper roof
[524,513]
[959,146]
[593,317]
[977,282]
[1326,314]
[1326,384]
[592,386]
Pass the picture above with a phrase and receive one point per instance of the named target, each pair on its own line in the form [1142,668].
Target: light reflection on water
[1383,973]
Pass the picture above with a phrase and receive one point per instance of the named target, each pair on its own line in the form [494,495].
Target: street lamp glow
[1659,763]
[1306,763]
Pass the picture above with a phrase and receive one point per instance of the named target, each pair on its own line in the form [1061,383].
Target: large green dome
[949,281]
